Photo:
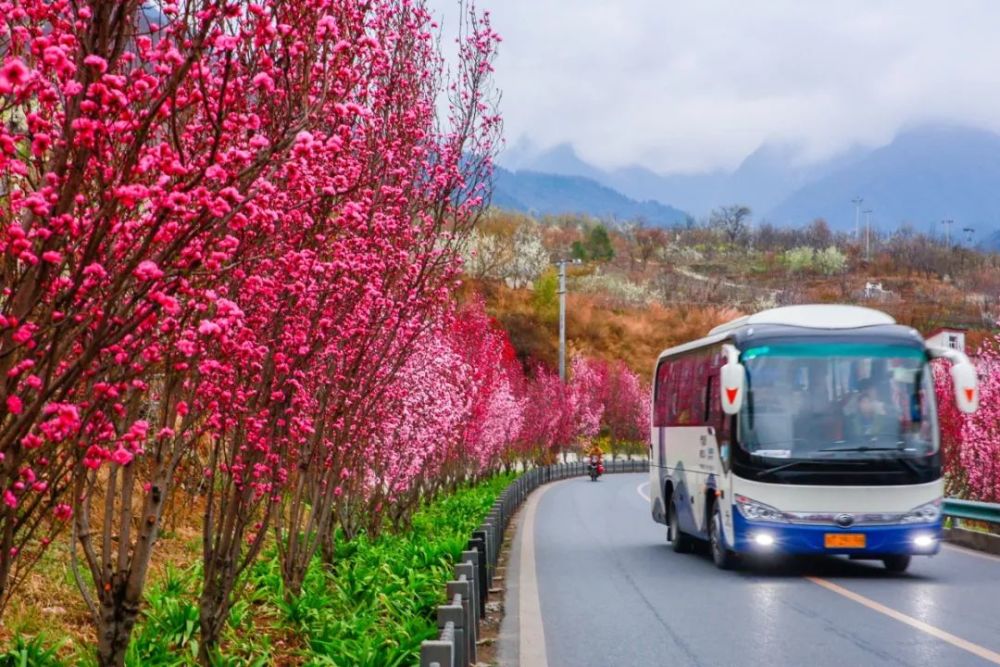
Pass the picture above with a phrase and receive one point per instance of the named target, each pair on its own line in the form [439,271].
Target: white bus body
[833,449]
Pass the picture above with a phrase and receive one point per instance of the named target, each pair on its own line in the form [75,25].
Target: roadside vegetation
[372,607]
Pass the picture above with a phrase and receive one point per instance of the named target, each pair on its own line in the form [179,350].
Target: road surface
[592,581]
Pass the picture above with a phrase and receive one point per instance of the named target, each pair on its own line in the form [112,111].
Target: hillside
[659,289]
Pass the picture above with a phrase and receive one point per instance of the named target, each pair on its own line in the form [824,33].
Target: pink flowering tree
[626,409]
[952,423]
[970,443]
[208,210]
[416,194]
[609,400]
[495,414]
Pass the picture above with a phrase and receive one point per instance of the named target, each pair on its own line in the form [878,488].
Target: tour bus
[802,430]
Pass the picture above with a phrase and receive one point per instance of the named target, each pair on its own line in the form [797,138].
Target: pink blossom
[122,456]
[148,270]
[14,405]
[264,82]
[12,74]
[97,62]
[208,328]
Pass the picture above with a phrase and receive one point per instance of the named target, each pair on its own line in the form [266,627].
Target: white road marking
[532,640]
[638,490]
[965,645]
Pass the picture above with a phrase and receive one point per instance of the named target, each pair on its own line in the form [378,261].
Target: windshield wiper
[790,464]
[862,448]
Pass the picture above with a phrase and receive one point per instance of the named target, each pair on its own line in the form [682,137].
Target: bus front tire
[680,542]
[897,564]
[724,558]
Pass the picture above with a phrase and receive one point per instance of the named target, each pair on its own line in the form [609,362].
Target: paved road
[610,591]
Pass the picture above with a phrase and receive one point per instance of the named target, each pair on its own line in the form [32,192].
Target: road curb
[973,539]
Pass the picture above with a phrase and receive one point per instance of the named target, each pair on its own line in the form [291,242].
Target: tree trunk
[327,544]
[115,629]
[212,615]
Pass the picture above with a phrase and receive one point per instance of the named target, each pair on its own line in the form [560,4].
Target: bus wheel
[723,557]
[680,541]
[896,564]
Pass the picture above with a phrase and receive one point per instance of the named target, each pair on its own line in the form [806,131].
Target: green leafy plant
[31,652]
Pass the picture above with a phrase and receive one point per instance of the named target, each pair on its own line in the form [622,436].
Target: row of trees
[229,239]
[229,233]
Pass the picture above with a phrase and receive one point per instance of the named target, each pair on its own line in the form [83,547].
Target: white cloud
[692,86]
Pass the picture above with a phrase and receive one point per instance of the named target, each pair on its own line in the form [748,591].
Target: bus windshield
[836,401]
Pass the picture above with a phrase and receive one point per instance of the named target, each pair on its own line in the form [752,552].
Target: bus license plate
[844,540]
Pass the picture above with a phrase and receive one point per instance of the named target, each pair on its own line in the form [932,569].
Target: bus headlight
[764,539]
[755,511]
[923,541]
[928,513]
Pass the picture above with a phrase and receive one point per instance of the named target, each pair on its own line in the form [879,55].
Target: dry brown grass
[49,601]
[597,328]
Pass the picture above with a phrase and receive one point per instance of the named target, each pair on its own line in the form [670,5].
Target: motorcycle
[595,468]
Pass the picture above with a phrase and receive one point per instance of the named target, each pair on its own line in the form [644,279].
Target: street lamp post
[562,315]
[857,217]
[947,231]
[868,234]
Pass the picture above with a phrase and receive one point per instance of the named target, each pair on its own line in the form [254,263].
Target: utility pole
[868,234]
[947,231]
[562,315]
[857,217]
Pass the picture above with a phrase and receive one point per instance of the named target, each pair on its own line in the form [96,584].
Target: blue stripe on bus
[797,539]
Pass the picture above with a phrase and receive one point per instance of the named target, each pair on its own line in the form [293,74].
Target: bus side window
[684,412]
[666,393]
[660,417]
[708,398]
[702,374]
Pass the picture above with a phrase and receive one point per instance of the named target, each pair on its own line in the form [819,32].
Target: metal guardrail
[971,509]
[458,621]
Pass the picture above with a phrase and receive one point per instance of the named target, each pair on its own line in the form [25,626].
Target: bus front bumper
[865,541]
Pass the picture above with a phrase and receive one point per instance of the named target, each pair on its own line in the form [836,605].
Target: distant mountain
[924,176]
[541,194]
[763,179]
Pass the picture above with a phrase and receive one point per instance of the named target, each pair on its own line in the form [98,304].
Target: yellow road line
[965,645]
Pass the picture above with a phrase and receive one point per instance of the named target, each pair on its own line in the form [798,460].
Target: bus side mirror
[732,387]
[963,377]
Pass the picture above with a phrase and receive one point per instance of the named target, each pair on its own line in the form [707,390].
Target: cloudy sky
[694,86]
